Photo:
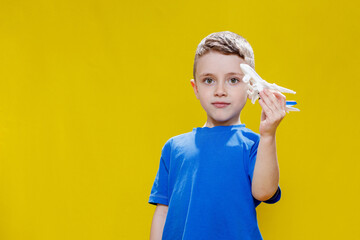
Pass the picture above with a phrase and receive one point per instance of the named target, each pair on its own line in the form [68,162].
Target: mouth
[220,104]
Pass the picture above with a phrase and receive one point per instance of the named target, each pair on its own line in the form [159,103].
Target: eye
[236,80]
[205,80]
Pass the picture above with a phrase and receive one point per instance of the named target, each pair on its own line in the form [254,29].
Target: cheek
[241,88]
[241,94]
[204,93]
[204,97]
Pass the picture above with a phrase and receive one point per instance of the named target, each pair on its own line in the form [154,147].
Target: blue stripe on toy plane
[291,103]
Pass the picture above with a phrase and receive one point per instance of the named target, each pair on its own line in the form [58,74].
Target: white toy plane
[257,84]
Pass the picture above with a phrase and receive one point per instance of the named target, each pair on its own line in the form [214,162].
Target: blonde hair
[225,42]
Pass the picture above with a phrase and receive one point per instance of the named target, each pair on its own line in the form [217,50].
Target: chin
[221,119]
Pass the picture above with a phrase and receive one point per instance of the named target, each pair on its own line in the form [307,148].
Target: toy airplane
[257,84]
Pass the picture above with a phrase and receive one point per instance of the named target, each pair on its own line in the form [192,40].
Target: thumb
[263,115]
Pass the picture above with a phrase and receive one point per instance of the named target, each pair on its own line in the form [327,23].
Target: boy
[210,180]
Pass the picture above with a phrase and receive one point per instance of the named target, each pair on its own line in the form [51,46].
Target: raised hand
[273,105]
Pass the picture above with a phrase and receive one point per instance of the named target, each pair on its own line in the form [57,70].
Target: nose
[220,90]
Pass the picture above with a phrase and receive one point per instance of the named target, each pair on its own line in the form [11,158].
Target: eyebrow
[230,73]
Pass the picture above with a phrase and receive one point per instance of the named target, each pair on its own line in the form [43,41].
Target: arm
[266,172]
[158,222]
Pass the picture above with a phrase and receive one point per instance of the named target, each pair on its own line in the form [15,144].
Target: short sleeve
[252,160]
[159,190]
[276,197]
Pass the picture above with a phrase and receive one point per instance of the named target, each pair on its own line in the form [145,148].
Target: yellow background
[91,90]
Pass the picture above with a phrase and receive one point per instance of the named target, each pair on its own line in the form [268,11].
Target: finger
[267,99]
[265,108]
[275,102]
[282,99]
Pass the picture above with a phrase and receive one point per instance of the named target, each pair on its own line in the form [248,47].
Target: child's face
[222,83]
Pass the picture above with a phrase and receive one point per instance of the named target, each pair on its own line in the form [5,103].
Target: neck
[213,124]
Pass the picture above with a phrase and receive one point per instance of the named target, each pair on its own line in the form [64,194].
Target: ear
[193,84]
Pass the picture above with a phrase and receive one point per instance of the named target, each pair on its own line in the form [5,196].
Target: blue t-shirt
[205,178]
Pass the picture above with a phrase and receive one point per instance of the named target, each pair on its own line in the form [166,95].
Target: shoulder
[249,136]
[250,133]
[181,138]
[178,140]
